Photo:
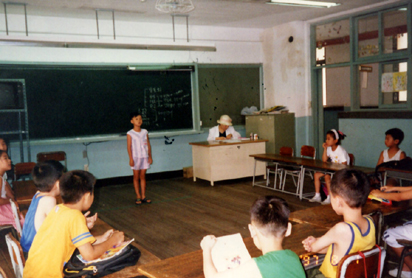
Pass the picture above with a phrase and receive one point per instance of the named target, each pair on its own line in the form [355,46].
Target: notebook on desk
[229,252]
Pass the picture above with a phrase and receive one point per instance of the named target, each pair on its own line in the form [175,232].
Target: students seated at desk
[269,226]
[46,179]
[224,130]
[65,229]
[349,193]
[334,152]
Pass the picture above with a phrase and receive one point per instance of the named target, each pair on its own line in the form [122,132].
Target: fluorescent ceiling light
[303,3]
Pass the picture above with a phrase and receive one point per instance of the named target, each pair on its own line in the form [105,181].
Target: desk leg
[301,181]
[254,173]
[211,183]
[276,176]
[194,178]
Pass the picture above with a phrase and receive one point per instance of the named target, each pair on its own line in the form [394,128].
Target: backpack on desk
[75,268]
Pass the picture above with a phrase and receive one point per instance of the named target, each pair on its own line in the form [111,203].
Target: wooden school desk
[190,265]
[24,192]
[100,227]
[397,174]
[304,164]
[326,217]
[225,160]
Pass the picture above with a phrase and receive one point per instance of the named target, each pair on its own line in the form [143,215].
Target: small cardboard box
[188,172]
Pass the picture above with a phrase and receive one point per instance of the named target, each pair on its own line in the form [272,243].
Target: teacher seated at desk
[224,130]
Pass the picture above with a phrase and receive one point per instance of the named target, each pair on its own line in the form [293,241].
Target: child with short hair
[65,229]
[393,138]
[6,213]
[333,152]
[140,156]
[269,226]
[349,192]
[46,177]
[391,235]
[3,147]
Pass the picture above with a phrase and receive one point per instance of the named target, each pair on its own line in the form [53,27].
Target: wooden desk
[190,265]
[396,173]
[24,191]
[225,160]
[307,164]
[326,217]
[146,257]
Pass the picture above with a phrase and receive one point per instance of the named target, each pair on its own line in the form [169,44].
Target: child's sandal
[146,201]
[138,202]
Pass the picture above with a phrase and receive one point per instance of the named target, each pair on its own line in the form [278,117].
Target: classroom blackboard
[65,102]
[226,89]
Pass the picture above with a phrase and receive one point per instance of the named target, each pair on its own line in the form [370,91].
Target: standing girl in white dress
[140,156]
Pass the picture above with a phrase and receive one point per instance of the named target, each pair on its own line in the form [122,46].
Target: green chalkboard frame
[182,75]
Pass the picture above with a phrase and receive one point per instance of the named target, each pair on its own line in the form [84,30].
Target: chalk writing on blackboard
[160,106]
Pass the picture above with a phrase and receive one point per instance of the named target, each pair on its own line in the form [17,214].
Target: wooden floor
[182,212]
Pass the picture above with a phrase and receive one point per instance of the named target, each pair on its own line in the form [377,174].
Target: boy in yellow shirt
[349,192]
[65,229]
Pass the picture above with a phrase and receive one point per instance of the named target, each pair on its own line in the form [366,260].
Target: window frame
[382,58]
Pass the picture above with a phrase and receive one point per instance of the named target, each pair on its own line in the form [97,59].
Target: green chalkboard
[225,89]
[86,101]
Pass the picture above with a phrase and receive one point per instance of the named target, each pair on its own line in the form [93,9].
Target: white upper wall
[285,67]
[234,45]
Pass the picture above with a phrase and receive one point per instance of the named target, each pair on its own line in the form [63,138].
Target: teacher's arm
[213,134]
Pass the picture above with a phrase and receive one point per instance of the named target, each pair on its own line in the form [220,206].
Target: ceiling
[229,13]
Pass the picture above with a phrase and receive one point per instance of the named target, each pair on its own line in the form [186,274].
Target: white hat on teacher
[225,120]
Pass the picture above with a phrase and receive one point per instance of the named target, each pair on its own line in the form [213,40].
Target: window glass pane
[368,36]
[337,87]
[332,42]
[369,85]
[395,30]
[394,83]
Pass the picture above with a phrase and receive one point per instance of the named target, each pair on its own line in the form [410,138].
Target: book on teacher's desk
[229,252]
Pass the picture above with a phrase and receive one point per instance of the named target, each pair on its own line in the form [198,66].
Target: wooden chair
[16,255]
[352,159]
[355,265]
[16,216]
[275,169]
[305,152]
[58,156]
[23,169]
[377,218]
[407,251]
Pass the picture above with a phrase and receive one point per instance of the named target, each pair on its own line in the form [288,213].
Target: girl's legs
[316,178]
[327,181]
[136,176]
[143,185]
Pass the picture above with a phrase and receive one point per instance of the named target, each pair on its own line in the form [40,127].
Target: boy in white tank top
[393,139]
